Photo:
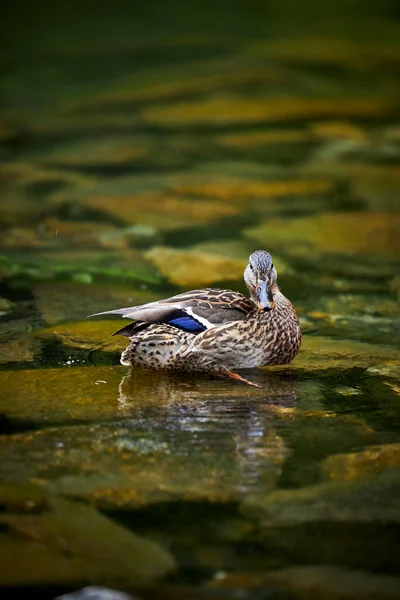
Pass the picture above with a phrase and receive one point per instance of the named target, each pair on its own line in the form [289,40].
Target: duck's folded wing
[193,311]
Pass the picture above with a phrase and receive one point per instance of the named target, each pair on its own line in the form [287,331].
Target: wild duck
[215,331]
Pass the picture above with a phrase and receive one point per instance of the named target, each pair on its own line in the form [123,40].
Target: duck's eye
[251,267]
[272,265]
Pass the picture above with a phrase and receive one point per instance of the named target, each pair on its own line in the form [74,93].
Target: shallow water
[143,156]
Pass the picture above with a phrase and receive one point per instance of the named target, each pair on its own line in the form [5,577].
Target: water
[145,153]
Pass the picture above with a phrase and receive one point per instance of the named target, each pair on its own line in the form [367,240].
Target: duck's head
[261,279]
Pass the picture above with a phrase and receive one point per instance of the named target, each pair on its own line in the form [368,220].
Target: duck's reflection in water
[231,425]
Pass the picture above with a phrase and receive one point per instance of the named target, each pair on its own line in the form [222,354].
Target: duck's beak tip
[264,298]
[268,305]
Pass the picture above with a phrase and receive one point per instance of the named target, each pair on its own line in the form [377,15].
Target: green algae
[68,265]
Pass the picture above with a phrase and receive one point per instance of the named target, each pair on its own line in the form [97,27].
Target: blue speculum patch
[187,324]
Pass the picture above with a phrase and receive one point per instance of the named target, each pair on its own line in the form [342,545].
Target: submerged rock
[165,438]
[334,501]
[314,582]
[255,139]
[99,152]
[65,542]
[21,183]
[390,368]
[59,301]
[90,335]
[344,233]
[23,499]
[395,286]
[365,328]
[159,210]
[62,394]
[354,465]
[228,109]
[236,249]
[123,465]
[5,306]
[337,523]
[19,350]
[322,353]
[190,268]
[242,191]
[173,81]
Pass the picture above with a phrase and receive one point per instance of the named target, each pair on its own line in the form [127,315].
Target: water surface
[143,156]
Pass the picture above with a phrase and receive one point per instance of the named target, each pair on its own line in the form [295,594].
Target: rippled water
[143,156]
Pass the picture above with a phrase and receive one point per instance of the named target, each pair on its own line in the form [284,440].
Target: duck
[213,330]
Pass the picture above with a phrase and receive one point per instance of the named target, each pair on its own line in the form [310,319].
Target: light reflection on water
[216,419]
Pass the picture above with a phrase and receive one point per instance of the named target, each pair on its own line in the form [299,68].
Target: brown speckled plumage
[216,330]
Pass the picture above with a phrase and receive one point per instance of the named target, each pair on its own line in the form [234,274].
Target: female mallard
[215,330]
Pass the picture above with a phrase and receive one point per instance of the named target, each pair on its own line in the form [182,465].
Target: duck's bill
[265,299]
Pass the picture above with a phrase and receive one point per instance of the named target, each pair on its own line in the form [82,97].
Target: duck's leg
[233,375]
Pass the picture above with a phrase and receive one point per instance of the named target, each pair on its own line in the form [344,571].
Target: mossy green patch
[74,265]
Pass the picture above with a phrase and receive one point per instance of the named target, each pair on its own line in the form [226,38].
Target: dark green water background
[147,149]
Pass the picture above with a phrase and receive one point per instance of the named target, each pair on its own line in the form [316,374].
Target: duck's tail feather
[159,313]
[122,312]
[153,313]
